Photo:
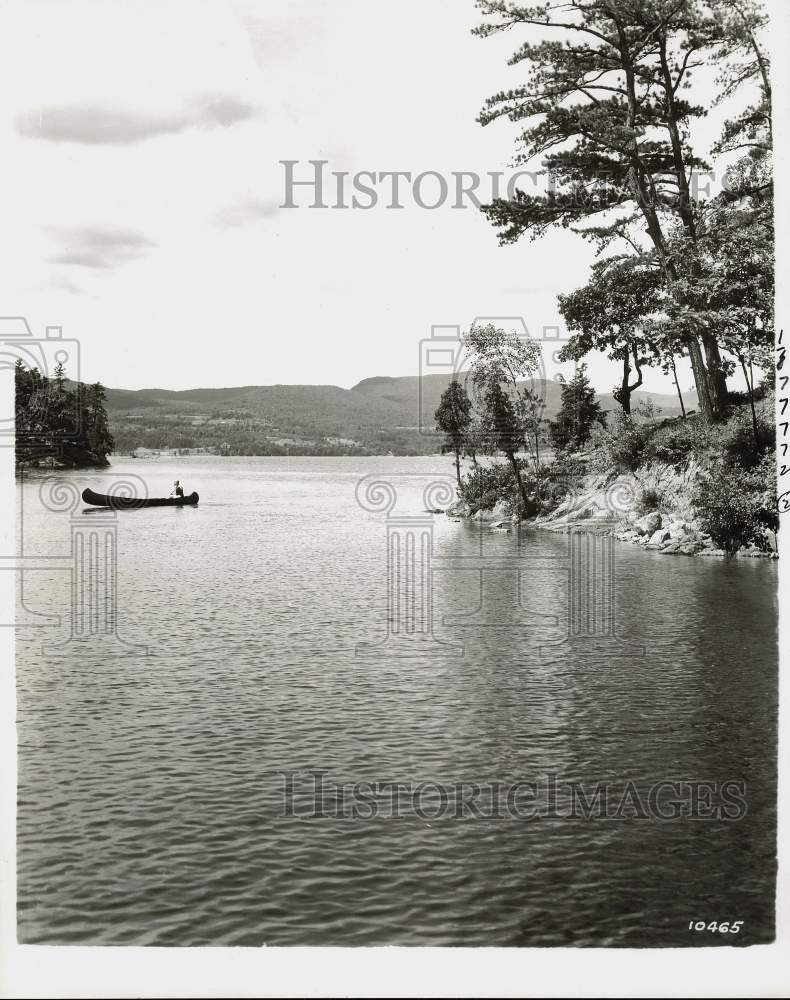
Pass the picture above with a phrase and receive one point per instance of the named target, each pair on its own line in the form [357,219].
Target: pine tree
[100,440]
[603,109]
[57,422]
[453,417]
[578,413]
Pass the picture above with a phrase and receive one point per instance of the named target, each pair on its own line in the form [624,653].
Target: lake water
[151,804]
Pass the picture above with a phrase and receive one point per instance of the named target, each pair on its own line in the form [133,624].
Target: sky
[141,205]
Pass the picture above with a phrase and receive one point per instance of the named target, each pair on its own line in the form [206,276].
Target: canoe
[135,503]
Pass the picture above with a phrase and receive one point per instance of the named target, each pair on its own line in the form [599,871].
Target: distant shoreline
[378,416]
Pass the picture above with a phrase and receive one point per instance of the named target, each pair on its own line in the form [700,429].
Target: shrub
[552,493]
[649,500]
[486,485]
[735,506]
[566,472]
[740,447]
[567,466]
[620,444]
[737,397]
[675,440]
[565,475]
[646,411]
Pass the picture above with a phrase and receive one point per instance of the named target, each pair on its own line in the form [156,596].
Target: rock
[499,512]
[504,510]
[660,536]
[458,509]
[649,523]
[716,553]
[559,511]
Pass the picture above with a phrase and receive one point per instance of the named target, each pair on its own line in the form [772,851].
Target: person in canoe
[178,489]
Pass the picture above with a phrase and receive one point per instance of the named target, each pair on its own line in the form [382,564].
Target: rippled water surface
[151,805]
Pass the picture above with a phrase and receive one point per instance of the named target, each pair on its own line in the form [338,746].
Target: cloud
[245,212]
[104,125]
[98,247]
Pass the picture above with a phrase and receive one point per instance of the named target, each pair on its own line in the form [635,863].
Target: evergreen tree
[100,439]
[23,389]
[603,108]
[743,59]
[453,417]
[578,412]
[56,423]
[60,376]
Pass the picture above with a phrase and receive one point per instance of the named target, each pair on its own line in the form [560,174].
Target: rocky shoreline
[605,506]
[77,460]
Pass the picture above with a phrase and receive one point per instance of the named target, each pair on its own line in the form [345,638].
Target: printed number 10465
[714,926]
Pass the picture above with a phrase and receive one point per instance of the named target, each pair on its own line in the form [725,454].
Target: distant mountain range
[377,416]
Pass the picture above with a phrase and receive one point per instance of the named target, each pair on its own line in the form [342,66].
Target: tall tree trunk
[654,230]
[677,386]
[685,210]
[716,379]
[700,379]
[638,366]
[636,170]
[458,466]
[714,376]
[522,488]
[625,389]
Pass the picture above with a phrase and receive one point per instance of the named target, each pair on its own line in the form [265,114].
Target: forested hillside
[376,416]
[59,423]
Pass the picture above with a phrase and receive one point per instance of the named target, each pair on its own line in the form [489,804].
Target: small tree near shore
[453,417]
[578,412]
[505,432]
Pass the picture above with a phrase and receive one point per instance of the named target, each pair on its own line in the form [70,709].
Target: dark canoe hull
[135,503]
